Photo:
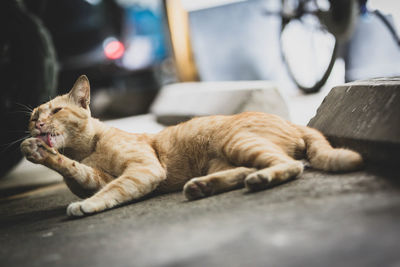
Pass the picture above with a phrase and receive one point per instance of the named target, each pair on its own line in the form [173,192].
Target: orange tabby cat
[205,156]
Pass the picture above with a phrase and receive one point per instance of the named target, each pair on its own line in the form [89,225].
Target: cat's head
[62,121]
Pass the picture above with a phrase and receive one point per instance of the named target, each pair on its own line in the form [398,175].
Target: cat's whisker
[28,108]
[18,131]
[21,111]
[8,145]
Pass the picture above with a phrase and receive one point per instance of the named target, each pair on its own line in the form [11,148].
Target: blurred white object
[139,54]
[372,51]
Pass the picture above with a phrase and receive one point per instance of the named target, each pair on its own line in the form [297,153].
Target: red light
[114,50]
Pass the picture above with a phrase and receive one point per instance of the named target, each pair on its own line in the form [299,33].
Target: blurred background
[132,50]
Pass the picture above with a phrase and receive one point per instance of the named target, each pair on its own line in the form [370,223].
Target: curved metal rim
[317,85]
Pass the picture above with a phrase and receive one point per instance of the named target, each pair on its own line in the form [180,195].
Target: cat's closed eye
[34,117]
[54,111]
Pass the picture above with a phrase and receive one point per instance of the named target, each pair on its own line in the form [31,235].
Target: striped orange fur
[204,156]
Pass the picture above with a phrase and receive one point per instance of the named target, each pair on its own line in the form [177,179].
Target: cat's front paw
[74,209]
[36,151]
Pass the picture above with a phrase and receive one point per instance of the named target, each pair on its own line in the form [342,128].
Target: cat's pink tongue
[47,139]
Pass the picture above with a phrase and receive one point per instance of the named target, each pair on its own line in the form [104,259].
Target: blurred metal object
[341,18]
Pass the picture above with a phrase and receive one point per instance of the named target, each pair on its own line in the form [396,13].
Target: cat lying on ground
[204,156]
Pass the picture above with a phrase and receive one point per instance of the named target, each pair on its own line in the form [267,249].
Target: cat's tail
[322,156]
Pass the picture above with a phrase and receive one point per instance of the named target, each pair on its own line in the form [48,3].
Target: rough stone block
[365,116]
[182,101]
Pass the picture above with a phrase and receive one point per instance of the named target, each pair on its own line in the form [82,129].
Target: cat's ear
[80,92]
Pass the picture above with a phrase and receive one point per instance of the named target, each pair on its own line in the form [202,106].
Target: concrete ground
[319,219]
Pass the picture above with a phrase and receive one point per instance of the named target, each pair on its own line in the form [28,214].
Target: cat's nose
[39,124]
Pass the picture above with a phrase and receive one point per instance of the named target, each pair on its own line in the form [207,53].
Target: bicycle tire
[29,74]
[317,85]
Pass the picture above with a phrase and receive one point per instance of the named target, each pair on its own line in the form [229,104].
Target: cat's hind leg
[221,177]
[273,175]
[274,165]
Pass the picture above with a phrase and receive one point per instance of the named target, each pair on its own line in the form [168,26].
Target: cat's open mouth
[49,139]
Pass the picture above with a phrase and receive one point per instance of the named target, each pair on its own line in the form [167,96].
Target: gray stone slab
[182,101]
[365,116]
[317,220]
